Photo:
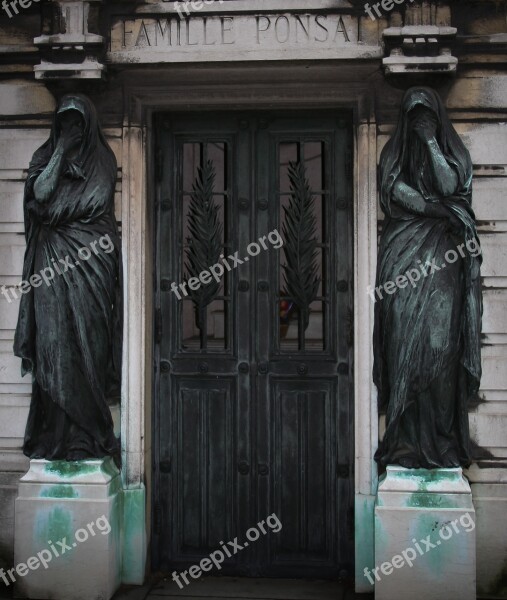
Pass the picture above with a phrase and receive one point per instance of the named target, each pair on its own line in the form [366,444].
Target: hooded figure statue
[427,356]
[69,326]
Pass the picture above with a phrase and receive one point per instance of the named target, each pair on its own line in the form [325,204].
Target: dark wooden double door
[253,390]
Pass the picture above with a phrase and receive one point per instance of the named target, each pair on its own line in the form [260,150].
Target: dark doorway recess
[253,409]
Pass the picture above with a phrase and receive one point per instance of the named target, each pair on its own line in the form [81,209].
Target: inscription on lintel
[233,37]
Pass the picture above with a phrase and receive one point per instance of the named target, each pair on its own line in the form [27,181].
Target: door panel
[253,409]
[205,448]
[302,450]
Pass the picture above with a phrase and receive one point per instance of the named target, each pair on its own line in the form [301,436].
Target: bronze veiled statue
[427,348]
[69,326]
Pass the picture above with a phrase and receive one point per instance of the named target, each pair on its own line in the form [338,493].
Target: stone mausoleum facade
[226,414]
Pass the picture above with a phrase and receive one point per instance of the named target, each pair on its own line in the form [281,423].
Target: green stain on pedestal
[364,540]
[67,469]
[381,536]
[77,468]
[426,477]
[426,480]
[134,536]
[59,491]
[429,500]
[433,558]
[415,512]
[56,524]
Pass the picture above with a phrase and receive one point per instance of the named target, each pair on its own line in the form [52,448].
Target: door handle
[165,466]
[263,469]
[342,471]
[243,468]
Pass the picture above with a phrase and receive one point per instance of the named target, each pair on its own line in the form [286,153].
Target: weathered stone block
[67,531]
[424,536]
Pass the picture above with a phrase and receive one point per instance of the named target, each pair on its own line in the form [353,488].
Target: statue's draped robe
[68,333]
[427,364]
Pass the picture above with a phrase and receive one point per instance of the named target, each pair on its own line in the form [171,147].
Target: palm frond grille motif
[301,272]
[205,240]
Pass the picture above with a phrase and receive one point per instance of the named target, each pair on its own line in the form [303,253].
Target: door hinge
[348,160]
[350,327]
[157,518]
[158,325]
[351,524]
[159,160]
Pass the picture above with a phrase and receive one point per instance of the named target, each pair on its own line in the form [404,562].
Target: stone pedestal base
[67,531]
[424,536]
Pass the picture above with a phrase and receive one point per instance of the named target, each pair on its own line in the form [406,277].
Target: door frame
[270,90]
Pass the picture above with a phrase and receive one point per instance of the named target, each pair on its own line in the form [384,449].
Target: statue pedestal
[67,531]
[424,536]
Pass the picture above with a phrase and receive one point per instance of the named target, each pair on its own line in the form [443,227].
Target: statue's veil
[393,156]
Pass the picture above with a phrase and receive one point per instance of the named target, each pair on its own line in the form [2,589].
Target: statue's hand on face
[423,123]
[71,131]
[70,139]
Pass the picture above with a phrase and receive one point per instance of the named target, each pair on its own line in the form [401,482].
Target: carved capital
[420,41]
[72,50]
